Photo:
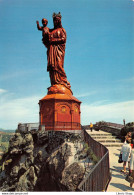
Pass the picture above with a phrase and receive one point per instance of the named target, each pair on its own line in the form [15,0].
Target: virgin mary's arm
[58,40]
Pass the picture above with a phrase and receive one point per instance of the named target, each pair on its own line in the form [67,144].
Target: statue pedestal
[60,111]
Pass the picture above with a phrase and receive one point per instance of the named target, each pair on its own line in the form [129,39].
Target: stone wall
[113,130]
[23,127]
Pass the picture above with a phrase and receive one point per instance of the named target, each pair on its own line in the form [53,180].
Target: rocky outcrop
[18,172]
[72,176]
[39,163]
[56,175]
[21,143]
[51,171]
[27,181]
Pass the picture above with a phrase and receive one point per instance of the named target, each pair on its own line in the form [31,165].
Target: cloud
[8,76]
[97,103]
[127,80]
[24,110]
[85,94]
[13,111]
[16,74]
[2,91]
[114,112]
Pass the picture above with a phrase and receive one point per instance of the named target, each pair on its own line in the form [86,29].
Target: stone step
[112,144]
[108,140]
[98,132]
[103,137]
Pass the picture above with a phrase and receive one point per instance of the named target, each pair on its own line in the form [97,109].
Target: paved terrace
[118,182]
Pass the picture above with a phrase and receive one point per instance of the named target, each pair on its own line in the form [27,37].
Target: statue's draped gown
[55,55]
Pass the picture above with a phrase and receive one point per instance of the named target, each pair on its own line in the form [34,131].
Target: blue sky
[99,60]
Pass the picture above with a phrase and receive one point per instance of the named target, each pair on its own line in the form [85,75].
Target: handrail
[99,176]
[95,167]
[58,125]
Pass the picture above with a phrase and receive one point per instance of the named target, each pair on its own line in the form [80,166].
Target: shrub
[5,138]
[95,159]
[129,127]
[92,156]
[17,131]
[99,125]
[86,146]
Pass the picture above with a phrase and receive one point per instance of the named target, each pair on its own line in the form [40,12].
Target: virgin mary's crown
[56,15]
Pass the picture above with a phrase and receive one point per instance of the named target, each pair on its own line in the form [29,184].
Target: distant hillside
[1,132]
[6,131]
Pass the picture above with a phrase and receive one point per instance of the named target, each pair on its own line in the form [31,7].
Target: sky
[99,59]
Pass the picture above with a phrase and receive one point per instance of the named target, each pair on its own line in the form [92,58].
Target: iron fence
[50,126]
[99,177]
[61,125]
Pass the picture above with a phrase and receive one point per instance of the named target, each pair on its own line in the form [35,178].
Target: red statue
[59,109]
[45,31]
[55,40]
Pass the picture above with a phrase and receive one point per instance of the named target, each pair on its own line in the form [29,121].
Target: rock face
[39,165]
[18,164]
[72,176]
[54,174]
[21,143]
[27,181]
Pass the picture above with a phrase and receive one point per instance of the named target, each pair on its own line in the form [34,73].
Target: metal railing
[61,125]
[99,177]
[50,126]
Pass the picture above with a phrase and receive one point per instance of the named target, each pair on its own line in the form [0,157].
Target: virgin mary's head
[57,20]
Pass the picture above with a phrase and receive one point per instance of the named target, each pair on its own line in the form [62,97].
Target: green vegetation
[129,127]
[7,130]
[4,142]
[4,146]
[99,125]
[17,131]
[90,153]
[5,138]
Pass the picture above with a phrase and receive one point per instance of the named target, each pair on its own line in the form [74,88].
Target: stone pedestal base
[60,111]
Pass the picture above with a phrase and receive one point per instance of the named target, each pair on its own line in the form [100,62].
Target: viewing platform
[107,139]
[118,182]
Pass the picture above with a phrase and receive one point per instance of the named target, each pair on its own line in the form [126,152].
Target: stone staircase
[106,139]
